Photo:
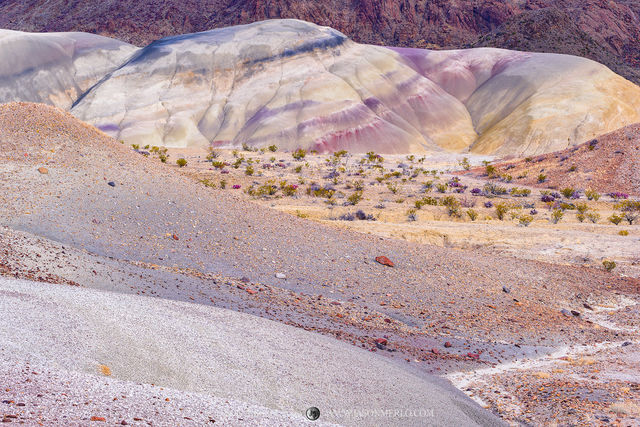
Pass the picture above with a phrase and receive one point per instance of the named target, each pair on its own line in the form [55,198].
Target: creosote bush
[609,265]
[556,216]
[181,162]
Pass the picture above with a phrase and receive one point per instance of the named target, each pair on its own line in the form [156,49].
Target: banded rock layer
[55,68]
[297,85]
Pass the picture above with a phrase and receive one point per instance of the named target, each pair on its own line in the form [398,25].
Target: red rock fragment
[381,341]
[175,237]
[385,261]
[447,344]
[94,418]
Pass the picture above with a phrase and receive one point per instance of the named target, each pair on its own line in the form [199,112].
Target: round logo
[313,413]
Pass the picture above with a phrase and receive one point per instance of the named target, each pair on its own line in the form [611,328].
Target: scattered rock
[587,306]
[575,313]
[175,237]
[565,312]
[506,290]
[102,419]
[43,170]
[280,276]
[385,261]
[447,344]
[124,423]
[245,279]
[381,341]
[626,343]
[111,184]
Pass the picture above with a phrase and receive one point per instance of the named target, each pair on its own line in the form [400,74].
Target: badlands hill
[297,85]
[55,68]
[608,32]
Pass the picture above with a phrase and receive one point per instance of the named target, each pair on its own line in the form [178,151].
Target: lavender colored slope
[55,68]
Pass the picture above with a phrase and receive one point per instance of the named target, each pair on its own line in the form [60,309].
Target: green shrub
[556,215]
[542,178]
[393,187]
[594,217]
[520,192]
[299,154]
[501,210]
[567,192]
[592,195]
[525,220]
[623,233]
[181,162]
[615,219]
[355,198]
[249,171]
[609,265]
[272,148]
[472,214]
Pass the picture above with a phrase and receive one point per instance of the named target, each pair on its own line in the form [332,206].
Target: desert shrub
[580,217]
[452,204]
[623,233]
[464,164]
[355,198]
[594,217]
[520,192]
[488,204]
[213,154]
[358,185]
[492,188]
[272,148]
[299,154]
[567,192]
[618,195]
[608,265]
[290,190]
[208,183]
[556,216]
[630,209]
[412,215]
[615,219]
[506,177]
[223,184]
[490,171]
[472,214]
[393,187]
[317,191]
[466,202]
[582,207]
[442,187]
[525,220]
[573,168]
[501,210]
[249,171]
[542,178]
[181,162]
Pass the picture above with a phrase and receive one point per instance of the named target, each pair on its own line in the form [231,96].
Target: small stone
[111,184]
[175,237]
[565,312]
[381,341]
[251,292]
[43,170]
[506,290]
[124,423]
[435,351]
[245,279]
[102,419]
[575,313]
[447,344]
[587,306]
[385,261]
[473,356]
[280,276]
[626,343]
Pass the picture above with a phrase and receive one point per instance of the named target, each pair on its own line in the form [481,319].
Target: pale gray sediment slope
[278,370]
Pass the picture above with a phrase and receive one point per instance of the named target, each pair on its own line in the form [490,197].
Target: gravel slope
[213,352]
[210,247]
